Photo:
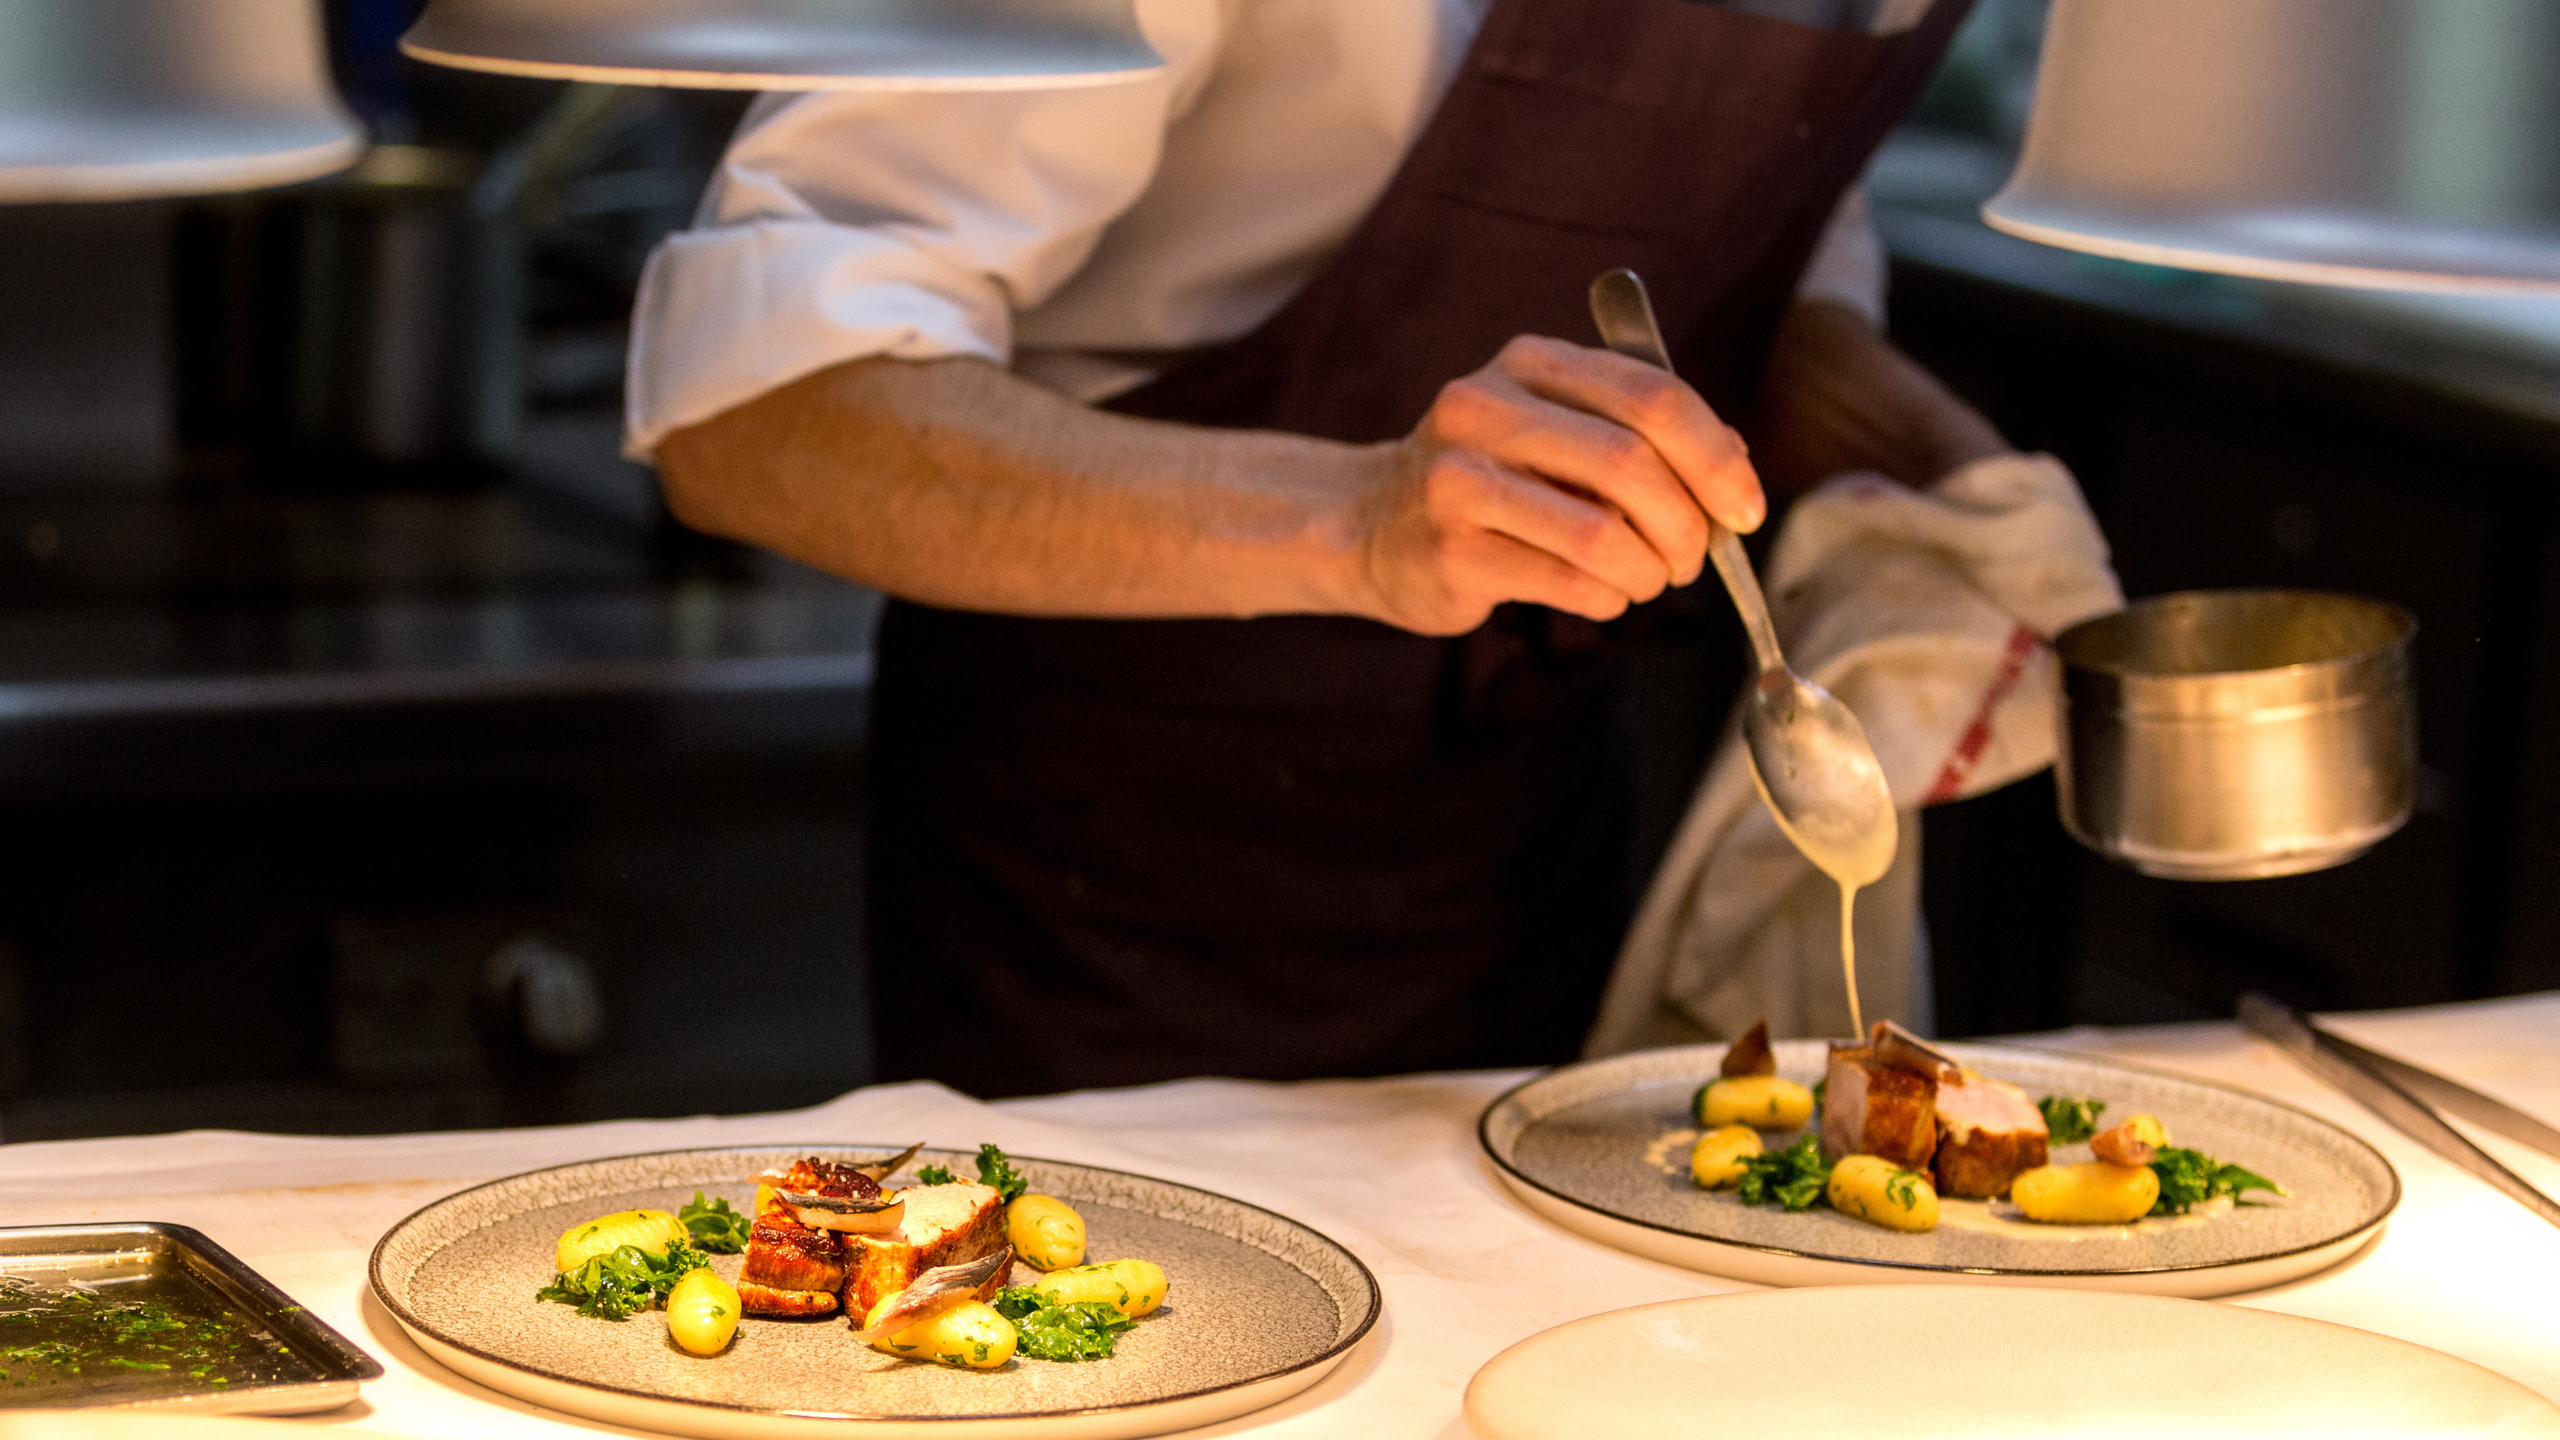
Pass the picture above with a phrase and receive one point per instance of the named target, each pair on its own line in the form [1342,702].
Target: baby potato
[966,1337]
[648,1229]
[2096,1192]
[1046,1232]
[1717,1160]
[1132,1287]
[1764,1102]
[1871,1187]
[702,1312]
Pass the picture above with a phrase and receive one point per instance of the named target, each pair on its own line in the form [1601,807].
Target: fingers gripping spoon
[1809,756]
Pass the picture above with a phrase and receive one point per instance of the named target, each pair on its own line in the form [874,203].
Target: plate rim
[2366,1226]
[1332,1354]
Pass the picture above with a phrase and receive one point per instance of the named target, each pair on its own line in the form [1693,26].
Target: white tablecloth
[1388,1167]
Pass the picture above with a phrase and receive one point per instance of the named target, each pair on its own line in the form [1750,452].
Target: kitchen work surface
[1389,1168]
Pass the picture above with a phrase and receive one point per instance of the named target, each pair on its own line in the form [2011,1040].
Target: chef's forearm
[955,483]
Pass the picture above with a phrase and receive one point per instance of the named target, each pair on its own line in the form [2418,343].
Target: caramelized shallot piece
[2135,1142]
[1749,1055]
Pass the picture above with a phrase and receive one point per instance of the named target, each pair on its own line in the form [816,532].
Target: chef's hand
[1558,475]
[1838,396]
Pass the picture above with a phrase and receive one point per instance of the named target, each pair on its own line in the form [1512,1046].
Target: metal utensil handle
[1624,313]
[2319,1052]
[2452,1097]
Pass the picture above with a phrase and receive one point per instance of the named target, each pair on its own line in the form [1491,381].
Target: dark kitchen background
[376,754]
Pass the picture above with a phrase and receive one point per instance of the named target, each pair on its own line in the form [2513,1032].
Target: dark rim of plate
[1340,1347]
[2366,1226]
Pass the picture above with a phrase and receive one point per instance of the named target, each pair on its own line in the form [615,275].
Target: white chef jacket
[1076,235]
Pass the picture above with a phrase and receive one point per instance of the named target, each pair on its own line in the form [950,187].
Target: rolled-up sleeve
[842,225]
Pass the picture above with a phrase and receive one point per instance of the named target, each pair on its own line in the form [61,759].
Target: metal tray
[248,1349]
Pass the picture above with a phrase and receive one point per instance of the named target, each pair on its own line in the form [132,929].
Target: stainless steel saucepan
[2237,734]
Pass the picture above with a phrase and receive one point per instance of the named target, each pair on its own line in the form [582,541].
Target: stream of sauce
[1849,954]
[1853,866]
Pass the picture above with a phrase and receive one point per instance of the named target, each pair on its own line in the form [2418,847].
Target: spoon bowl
[1820,778]
[1809,756]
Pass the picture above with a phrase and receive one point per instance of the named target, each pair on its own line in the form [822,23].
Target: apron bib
[1108,852]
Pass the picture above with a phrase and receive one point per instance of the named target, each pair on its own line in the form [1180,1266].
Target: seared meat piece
[944,1225]
[776,1304]
[1749,1055]
[787,1255]
[1989,1133]
[1870,1107]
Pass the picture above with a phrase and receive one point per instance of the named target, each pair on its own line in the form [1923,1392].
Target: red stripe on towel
[1977,735]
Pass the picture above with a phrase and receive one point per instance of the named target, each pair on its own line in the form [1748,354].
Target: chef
[1263,531]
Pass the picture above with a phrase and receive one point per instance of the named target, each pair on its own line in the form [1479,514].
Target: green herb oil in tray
[130,1339]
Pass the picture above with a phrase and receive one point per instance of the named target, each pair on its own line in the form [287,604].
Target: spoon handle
[1624,314]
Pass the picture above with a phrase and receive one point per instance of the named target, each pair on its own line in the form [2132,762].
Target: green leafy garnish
[935,1175]
[1819,1086]
[714,1226]
[1085,1330]
[996,1172]
[2068,1119]
[1792,1177]
[2190,1177]
[625,1282]
[1903,1188]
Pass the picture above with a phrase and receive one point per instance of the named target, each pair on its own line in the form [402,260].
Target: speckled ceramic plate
[1592,1147]
[1260,1308]
[1949,1363]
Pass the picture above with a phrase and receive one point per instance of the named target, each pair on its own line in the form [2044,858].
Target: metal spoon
[1809,756]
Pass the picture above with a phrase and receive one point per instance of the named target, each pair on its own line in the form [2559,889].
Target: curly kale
[2069,1119]
[1792,1177]
[1083,1330]
[625,1282]
[2188,1178]
[714,1225]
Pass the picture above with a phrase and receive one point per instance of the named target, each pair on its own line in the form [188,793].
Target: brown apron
[1109,851]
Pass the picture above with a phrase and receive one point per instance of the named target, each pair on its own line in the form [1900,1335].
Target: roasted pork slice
[1989,1133]
[774,1303]
[944,1225]
[1870,1107]
[788,1255]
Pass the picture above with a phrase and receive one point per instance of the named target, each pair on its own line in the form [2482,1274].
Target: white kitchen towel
[1927,612]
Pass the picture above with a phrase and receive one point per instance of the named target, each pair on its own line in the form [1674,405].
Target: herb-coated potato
[1133,1287]
[1046,1232]
[965,1337]
[1717,1160]
[651,1230]
[702,1312]
[2094,1193]
[1764,1102]
[1871,1187]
